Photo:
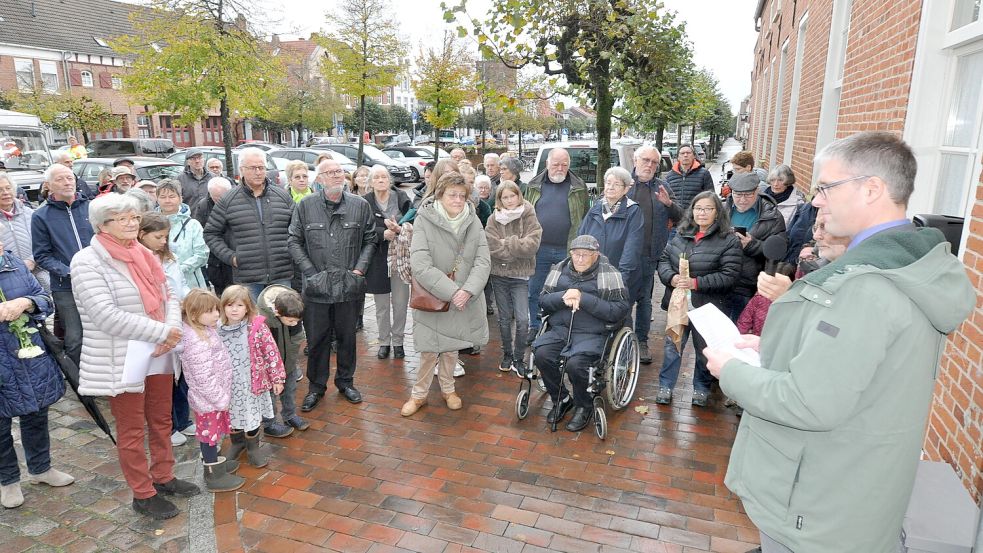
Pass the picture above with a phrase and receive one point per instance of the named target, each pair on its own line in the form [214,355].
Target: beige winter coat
[434,254]
[513,246]
[112,314]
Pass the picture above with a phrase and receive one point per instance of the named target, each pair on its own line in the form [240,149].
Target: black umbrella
[56,349]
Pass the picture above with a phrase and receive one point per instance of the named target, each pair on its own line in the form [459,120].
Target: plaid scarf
[610,286]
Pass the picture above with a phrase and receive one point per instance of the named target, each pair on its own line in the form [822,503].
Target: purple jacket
[208,370]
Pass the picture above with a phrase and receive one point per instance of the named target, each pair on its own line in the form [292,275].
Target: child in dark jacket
[283,308]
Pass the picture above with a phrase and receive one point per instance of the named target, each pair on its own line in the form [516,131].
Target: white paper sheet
[136,366]
[721,333]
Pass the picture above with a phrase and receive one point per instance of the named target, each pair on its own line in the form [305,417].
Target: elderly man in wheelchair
[586,303]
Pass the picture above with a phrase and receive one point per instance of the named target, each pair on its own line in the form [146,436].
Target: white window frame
[87,82]
[48,67]
[963,35]
[764,123]
[779,97]
[839,32]
[793,104]
[117,82]
[19,65]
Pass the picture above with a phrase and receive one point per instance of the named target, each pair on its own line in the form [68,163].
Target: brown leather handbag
[422,300]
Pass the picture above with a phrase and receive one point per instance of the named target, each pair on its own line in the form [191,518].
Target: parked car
[122,147]
[416,157]
[309,156]
[147,168]
[583,158]
[265,146]
[447,136]
[231,169]
[400,171]
[324,140]
[701,154]
[25,171]
[401,139]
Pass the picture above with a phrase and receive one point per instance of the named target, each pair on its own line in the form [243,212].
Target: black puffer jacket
[236,229]
[685,185]
[329,241]
[377,277]
[715,263]
[193,188]
[770,222]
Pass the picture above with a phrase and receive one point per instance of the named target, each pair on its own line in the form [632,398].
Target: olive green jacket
[578,200]
[826,452]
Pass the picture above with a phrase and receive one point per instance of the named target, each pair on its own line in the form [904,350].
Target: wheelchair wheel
[600,422]
[621,369]
[522,404]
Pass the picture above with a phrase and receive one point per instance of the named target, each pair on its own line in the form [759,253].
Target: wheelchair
[612,379]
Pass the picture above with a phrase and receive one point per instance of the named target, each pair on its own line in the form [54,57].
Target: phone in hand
[741,230]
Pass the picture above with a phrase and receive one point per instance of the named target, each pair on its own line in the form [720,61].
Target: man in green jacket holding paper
[826,452]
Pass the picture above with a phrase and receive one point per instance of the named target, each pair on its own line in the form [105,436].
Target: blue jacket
[662,215]
[26,385]
[59,232]
[620,238]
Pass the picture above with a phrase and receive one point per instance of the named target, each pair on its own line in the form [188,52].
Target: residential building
[825,69]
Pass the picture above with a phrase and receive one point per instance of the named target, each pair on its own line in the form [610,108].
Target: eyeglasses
[132,220]
[704,209]
[822,188]
[744,194]
[254,168]
[582,254]
[647,161]
[333,172]
[455,195]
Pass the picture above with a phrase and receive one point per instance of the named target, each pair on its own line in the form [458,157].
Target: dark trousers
[180,410]
[37,446]
[322,322]
[735,304]
[672,358]
[545,258]
[547,359]
[219,274]
[512,299]
[643,303]
[68,312]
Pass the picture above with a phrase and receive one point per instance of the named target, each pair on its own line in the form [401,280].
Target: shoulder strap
[183,226]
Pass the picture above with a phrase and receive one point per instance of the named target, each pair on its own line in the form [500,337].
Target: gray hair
[480,179]
[782,173]
[49,173]
[104,207]
[379,169]
[173,185]
[6,178]
[556,151]
[59,156]
[513,165]
[144,199]
[215,183]
[621,174]
[250,152]
[877,154]
[646,148]
[491,155]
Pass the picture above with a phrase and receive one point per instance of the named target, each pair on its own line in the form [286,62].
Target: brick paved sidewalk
[363,478]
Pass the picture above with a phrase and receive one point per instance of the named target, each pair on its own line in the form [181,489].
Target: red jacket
[266,365]
[752,319]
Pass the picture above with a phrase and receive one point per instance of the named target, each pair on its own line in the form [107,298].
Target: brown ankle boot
[412,406]
[453,401]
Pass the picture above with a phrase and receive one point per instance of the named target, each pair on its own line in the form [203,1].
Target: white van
[26,163]
[583,157]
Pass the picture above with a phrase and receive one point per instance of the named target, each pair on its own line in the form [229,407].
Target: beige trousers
[445,363]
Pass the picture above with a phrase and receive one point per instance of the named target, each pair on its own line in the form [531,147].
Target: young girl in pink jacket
[208,370]
[256,369]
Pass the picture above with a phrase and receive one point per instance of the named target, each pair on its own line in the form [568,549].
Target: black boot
[155,507]
[581,418]
[177,487]
[398,352]
[556,415]
[383,352]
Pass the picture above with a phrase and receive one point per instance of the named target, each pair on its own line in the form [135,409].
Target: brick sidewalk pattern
[365,479]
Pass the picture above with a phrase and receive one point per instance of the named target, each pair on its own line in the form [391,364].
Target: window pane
[25,75]
[965,12]
[953,181]
[964,106]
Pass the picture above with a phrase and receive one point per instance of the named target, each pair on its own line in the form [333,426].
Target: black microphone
[774,249]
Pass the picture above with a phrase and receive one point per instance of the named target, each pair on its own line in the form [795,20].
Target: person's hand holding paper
[724,341]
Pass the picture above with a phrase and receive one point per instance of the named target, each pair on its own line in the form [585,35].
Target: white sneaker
[190,430]
[178,438]
[459,369]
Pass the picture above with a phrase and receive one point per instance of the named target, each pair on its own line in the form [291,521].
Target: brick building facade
[41,47]
[825,69]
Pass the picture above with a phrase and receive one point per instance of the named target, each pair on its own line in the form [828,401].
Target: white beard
[556,179]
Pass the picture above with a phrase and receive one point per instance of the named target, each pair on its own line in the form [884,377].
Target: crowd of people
[223,283]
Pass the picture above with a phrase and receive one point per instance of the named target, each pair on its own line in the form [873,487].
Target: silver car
[416,157]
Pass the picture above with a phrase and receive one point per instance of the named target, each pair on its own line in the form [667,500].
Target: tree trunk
[692,133]
[223,110]
[85,136]
[679,135]
[361,131]
[605,105]
[660,132]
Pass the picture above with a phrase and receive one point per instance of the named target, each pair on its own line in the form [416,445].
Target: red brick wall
[876,77]
[955,428]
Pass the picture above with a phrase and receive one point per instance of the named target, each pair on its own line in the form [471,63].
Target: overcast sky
[722,31]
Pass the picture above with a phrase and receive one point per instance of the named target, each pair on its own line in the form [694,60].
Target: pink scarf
[146,270]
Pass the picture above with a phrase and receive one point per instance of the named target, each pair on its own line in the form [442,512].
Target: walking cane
[563,373]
